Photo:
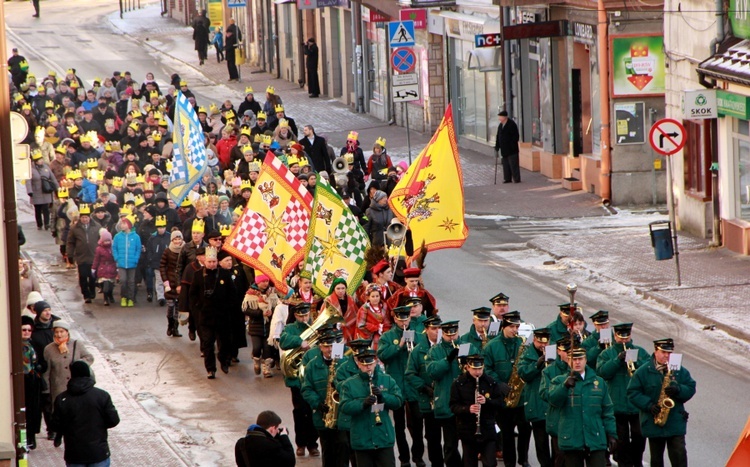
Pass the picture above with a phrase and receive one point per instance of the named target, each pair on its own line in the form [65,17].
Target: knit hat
[126,224]
[175,234]
[379,195]
[61,323]
[33,297]
[41,306]
[104,236]
[261,278]
[80,369]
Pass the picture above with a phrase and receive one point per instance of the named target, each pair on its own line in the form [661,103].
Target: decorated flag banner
[336,243]
[271,234]
[189,161]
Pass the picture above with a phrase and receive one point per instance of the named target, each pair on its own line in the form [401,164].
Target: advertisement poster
[216,13]
[637,66]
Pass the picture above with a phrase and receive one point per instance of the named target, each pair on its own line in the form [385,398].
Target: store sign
[374,16]
[739,18]
[419,16]
[700,104]
[729,104]
[583,33]
[488,40]
[311,4]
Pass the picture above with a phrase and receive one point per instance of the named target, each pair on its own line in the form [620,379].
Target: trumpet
[479,414]
[484,337]
[410,343]
[378,421]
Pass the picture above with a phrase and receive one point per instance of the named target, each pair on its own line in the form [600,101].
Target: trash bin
[661,239]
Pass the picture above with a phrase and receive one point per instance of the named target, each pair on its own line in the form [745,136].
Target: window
[697,158]
[741,143]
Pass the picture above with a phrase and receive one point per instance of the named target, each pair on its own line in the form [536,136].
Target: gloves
[504,388]
[376,391]
[672,390]
[570,381]
[452,356]
[655,409]
[167,288]
[250,302]
[429,390]
[370,400]
[322,408]
[540,363]
[611,443]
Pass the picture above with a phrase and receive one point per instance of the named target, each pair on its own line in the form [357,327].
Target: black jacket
[462,398]
[259,448]
[82,415]
[507,139]
[317,152]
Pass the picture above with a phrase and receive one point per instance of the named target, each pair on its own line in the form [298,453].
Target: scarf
[29,357]
[176,248]
[62,344]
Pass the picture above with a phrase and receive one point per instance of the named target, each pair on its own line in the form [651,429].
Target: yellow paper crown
[26,107]
[93,138]
[130,179]
[270,90]
[261,116]
[153,95]
[238,211]
[52,73]
[128,198]
[246,184]
[135,126]
[246,131]
[186,203]
[125,211]
[73,129]
[136,114]
[117,182]
[158,115]
[267,139]
[148,186]
[249,90]
[18,98]
[97,80]
[283,123]
[91,163]
[253,167]
[124,148]
[213,108]
[73,84]
[156,136]
[139,200]
[36,154]
[183,83]
[109,122]
[202,110]
[163,123]
[291,160]
[349,158]
[258,138]
[211,253]
[199,225]
[53,118]
[60,149]
[62,192]
[169,166]
[303,162]
[140,179]
[70,72]
[247,149]
[278,108]
[84,209]
[353,136]
[95,175]
[380,142]
[132,219]
[98,205]
[161,221]
[74,174]
[49,105]
[229,115]
[225,230]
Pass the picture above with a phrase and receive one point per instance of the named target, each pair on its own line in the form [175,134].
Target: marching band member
[345,369]
[559,327]
[373,318]
[315,390]
[653,383]
[591,344]
[477,335]
[533,362]
[475,400]
[612,367]
[500,357]
[345,305]
[443,368]
[305,435]
[367,397]
[393,351]
[413,288]
[420,383]
[499,306]
[417,317]
[559,367]
[586,414]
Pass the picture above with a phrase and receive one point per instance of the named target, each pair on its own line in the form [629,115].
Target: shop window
[697,158]
[741,146]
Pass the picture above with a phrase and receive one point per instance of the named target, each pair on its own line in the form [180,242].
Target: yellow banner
[429,199]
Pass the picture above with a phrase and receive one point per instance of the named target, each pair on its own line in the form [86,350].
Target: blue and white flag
[189,161]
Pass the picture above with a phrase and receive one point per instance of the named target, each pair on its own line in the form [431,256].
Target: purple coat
[104,263]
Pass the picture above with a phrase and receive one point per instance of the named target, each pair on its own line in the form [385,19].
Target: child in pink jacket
[104,267]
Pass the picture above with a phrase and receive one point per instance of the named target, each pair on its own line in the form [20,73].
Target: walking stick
[497,156]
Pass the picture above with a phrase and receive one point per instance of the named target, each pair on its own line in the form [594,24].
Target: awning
[464,17]
[730,63]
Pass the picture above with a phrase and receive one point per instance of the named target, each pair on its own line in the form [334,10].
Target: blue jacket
[218,41]
[88,192]
[126,248]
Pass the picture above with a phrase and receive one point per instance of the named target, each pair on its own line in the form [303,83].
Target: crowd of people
[362,369]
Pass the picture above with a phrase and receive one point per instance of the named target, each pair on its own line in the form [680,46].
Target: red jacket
[369,322]
[224,146]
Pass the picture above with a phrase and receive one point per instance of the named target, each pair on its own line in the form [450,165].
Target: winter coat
[644,390]
[315,386]
[155,248]
[369,323]
[88,192]
[593,349]
[416,377]
[57,373]
[365,434]
[82,415]
[554,370]
[257,324]
[82,243]
[443,372]
[259,449]
[535,408]
[104,263]
[349,326]
[187,255]
[463,392]
[615,372]
[317,153]
[557,330]
[34,184]
[212,294]
[395,357]
[500,356]
[587,416]
[168,270]
[376,165]
[126,249]
[290,339]
[379,219]
[41,337]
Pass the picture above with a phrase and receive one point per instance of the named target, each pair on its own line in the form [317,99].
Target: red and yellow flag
[429,199]
[741,455]
[270,236]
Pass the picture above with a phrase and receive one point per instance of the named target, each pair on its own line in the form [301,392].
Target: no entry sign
[667,136]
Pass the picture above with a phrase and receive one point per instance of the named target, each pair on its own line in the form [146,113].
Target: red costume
[373,322]
[349,328]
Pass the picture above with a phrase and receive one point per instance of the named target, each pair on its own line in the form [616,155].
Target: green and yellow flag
[336,243]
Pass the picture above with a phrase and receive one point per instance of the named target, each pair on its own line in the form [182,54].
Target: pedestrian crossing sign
[401,33]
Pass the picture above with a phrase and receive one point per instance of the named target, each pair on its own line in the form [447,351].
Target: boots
[256,365]
[267,365]
[176,328]
[170,326]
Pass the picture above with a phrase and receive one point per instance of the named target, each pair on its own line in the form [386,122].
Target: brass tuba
[515,382]
[292,359]
[332,400]
[665,403]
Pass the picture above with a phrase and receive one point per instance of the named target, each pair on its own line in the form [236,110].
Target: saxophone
[665,403]
[332,400]
[515,382]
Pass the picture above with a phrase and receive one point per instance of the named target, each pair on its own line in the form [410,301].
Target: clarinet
[479,414]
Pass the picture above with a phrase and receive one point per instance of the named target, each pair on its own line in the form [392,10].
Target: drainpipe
[605,175]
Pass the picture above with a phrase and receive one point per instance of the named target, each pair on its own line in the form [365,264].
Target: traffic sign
[401,33]
[667,136]
[236,3]
[406,93]
[403,60]
[404,79]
